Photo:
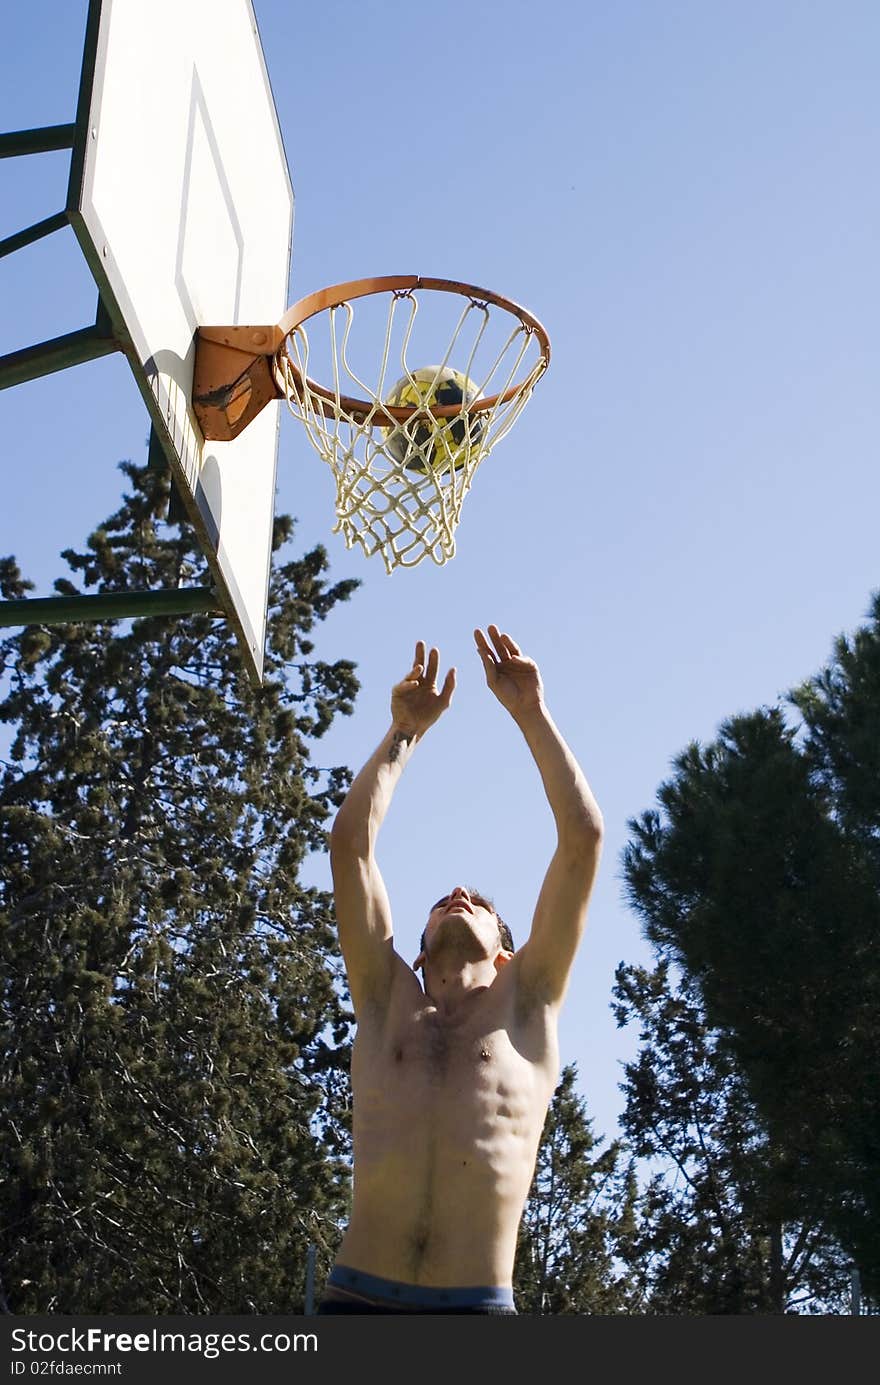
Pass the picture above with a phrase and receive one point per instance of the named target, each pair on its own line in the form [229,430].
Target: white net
[401,478]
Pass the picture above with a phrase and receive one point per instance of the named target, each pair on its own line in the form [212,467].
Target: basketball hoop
[403,450]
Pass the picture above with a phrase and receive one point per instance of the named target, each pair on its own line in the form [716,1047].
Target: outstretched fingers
[424,669]
[431,668]
[505,647]
[448,689]
[484,649]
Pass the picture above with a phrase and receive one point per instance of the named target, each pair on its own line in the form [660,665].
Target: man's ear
[503,958]
[419,962]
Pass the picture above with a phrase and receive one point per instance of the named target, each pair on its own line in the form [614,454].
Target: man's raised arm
[363,913]
[546,959]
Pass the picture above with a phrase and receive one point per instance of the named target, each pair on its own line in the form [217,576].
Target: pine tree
[578,1217]
[722,1227]
[840,708]
[758,877]
[174,1019]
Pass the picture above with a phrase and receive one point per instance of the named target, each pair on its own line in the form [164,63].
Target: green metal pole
[70,610]
[36,141]
[35,232]
[59,353]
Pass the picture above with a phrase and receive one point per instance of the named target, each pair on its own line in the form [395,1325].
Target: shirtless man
[452,1082]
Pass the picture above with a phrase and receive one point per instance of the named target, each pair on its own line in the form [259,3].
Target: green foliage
[722,1228]
[578,1217]
[758,877]
[175,1021]
[841,710]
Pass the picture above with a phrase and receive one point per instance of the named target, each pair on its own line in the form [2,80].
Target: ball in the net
[426,440]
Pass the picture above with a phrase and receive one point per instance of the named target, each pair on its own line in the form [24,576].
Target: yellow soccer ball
[441,443]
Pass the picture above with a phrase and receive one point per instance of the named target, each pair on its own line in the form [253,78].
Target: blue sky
[684,516]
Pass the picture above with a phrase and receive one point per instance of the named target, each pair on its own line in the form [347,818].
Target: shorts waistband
[373,1288]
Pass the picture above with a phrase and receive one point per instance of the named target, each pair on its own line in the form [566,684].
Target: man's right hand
[415,702]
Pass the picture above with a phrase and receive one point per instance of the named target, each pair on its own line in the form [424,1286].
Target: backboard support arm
[41,141]
[69,610]
[16,368]
[39,229]
[32,362]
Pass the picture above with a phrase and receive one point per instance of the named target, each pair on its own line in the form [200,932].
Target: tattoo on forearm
[399,739]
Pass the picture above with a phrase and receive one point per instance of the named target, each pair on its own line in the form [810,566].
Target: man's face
[463,914]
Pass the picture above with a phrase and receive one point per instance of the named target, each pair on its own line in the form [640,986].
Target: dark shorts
[353,1291]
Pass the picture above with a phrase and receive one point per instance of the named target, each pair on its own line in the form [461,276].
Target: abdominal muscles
[446,1127]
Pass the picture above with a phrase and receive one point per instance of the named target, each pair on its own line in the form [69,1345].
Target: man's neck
[451,988]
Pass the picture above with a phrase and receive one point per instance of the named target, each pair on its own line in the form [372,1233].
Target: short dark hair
[503,930]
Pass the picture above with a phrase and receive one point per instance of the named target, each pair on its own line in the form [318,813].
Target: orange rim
[402,285]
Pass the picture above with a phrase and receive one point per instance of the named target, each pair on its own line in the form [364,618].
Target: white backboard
[180,196]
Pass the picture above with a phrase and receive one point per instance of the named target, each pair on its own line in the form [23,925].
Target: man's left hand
[513,677]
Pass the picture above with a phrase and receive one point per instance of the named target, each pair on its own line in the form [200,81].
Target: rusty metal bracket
[233,377]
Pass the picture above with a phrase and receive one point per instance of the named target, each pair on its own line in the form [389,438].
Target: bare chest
[422,1062]
[427,1051]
